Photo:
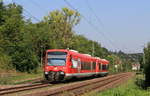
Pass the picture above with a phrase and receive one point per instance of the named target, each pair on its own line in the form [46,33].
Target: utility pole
[93,49]
[41,61]
[144,55]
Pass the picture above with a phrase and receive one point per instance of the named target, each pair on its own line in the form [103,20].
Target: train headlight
[46,72]
[62,73]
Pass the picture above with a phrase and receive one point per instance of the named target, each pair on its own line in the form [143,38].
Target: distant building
[135,67]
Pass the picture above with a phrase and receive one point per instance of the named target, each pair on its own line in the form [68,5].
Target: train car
[102,67]
[61,64]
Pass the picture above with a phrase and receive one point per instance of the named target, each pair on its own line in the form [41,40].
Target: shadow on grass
[141,83]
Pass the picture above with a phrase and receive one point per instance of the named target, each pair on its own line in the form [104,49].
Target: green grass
[128,89]
[19,78]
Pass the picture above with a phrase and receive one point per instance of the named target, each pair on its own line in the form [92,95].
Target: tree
[114,63]
[147,64]
[2,11]
[22,42]
[61,24]
[13,47]
[5,61]
[25,60]
[11,28]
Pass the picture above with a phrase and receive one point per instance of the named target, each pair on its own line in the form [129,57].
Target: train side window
[88,65]
[79,62]
[82,65]
[103,67]
[85,65]
[74,63]
[94,65]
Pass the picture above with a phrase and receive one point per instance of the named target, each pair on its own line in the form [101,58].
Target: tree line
[22,42]
[146,64]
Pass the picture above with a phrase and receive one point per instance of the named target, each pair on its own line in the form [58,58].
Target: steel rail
[83,86]
[22,88]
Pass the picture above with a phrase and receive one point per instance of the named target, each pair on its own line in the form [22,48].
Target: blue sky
[123,25]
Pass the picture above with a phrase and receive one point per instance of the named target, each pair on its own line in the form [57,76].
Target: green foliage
[61,24]
[84,45]
[113,59]
[22,42]
[141,63]
[117,64]
[147,64]
[25,60]
[129,89]
[12,39]
[19,78]
[125,60]
[5,62]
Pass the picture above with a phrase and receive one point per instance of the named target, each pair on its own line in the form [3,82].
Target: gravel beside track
[22,88]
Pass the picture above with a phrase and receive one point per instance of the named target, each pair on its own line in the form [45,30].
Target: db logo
[55,68]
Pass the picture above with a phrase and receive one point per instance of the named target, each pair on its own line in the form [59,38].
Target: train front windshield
[56,58]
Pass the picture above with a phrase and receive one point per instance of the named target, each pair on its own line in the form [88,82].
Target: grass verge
[19,78]
[128,89]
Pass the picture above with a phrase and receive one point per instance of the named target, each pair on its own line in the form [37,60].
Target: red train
[61,64]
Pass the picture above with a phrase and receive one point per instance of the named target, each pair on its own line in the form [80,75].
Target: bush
[147,64]
[5,62]
[25,60]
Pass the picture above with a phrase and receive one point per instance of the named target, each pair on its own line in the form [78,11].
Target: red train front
[61,64]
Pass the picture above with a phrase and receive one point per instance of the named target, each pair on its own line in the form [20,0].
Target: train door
[97,70]
[76,65]
[79,65]
[101,67]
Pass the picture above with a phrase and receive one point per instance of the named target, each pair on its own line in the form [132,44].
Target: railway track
[76,88]
[37,80]
[82,87]
[22,88]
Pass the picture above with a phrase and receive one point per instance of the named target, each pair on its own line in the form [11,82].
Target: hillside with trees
[23,42]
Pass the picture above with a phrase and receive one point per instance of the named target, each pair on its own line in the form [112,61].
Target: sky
[116,24]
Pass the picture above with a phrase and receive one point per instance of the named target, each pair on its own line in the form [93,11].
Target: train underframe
[53,76]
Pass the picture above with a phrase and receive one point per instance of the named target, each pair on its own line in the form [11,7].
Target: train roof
[104,61]
[61,50]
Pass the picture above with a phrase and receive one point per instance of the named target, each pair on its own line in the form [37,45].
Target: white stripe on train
[84,74]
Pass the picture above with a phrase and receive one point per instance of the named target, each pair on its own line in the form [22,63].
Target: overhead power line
[92,10]
[38,5]
[100,22]
[31,15]
[89,22]
[35,18]
[92,25]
